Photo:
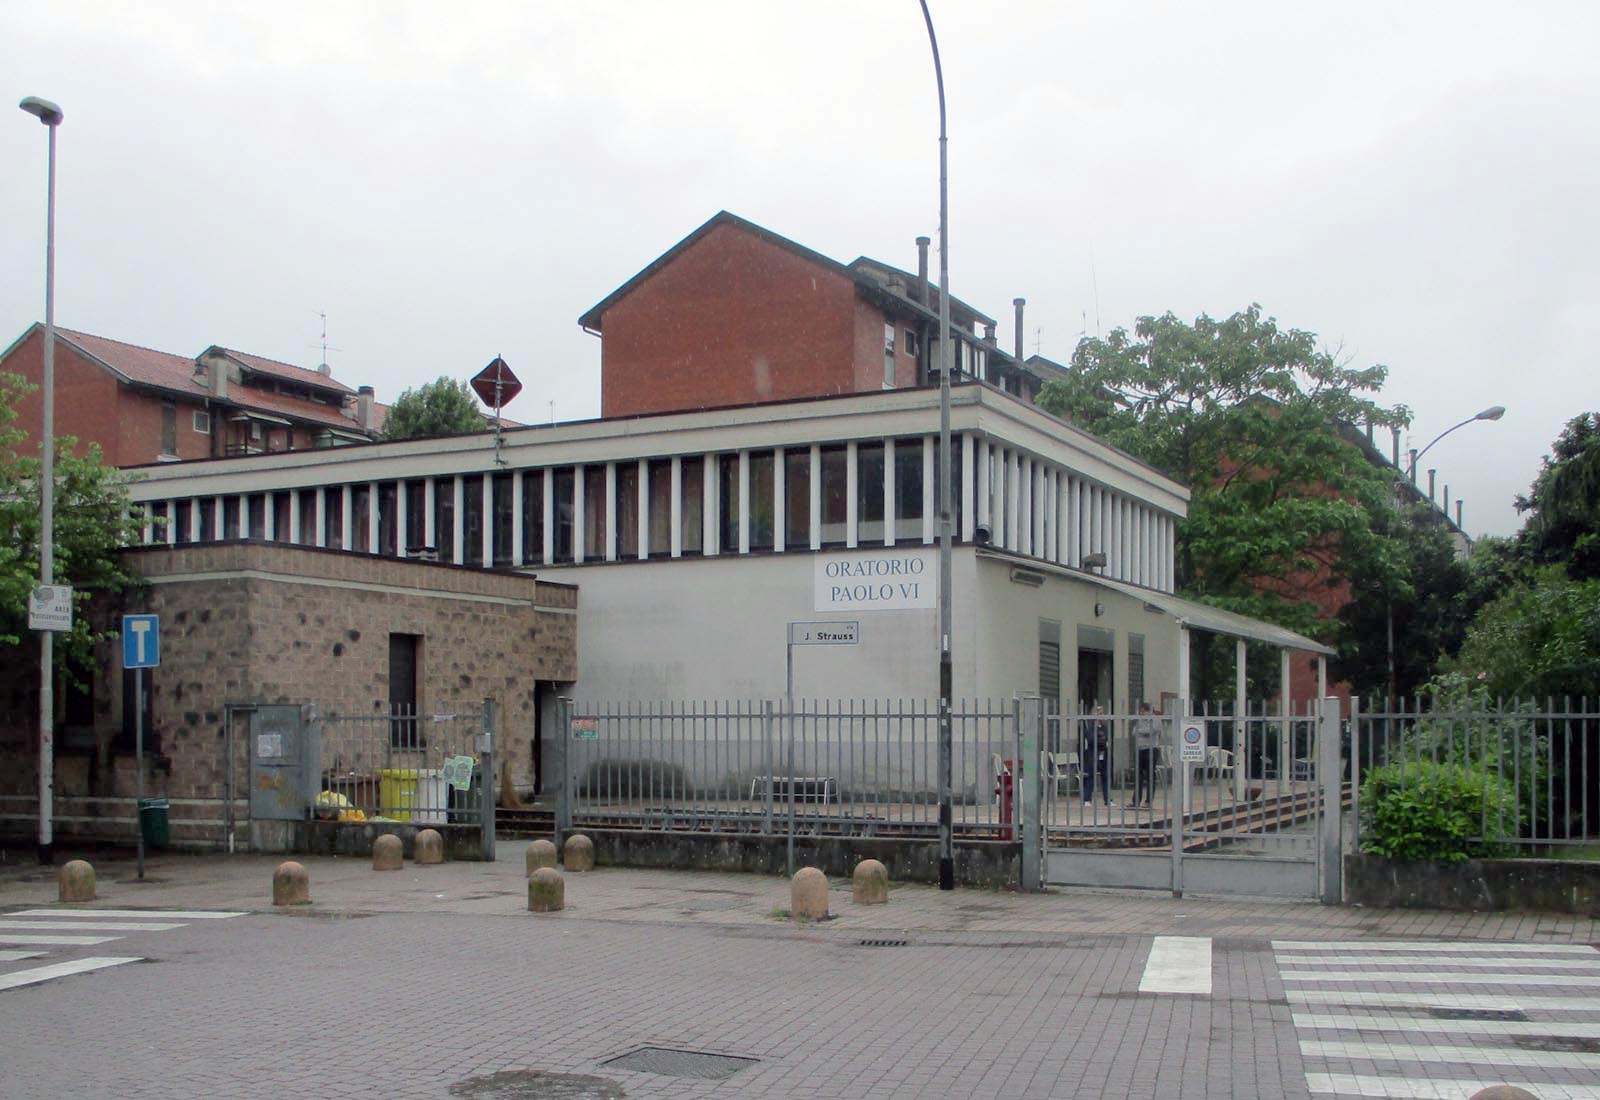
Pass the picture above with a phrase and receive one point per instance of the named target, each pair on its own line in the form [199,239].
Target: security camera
[981,534]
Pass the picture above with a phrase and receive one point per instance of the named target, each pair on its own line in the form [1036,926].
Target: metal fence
[826,767]
[421,768]
[1535,765]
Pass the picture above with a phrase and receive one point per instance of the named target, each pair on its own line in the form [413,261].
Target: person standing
[1147,744]
[1094,750]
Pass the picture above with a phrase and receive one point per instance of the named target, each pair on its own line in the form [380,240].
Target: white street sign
[50,608]
[824,633]
[1193,749]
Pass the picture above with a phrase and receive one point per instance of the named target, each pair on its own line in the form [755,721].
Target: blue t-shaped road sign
[141,641]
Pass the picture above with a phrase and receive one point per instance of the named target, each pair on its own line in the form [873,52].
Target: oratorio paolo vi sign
[878,580]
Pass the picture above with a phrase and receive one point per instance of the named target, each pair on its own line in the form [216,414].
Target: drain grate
[672,1062]
[1477,1014]
[885,943]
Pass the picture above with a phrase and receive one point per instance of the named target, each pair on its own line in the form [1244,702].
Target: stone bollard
[808,894]
[291,885]
[870,884]
[1503,1092]
[388,854]
[547,891]
[578,853]
[429,847]
[541,853]
[75,881]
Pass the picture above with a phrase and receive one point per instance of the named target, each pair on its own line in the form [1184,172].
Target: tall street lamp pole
[1493,412]
[49,114]
[947,878]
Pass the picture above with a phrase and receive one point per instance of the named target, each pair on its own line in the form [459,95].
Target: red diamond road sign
[495,385]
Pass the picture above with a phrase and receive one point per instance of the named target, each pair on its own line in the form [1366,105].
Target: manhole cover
[885,943]
[536,1085]
[1477,1014]
[681,1063]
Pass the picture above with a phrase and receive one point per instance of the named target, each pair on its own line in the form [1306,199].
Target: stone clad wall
[268,623]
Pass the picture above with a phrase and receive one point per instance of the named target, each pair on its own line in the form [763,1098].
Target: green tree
[1539,638]
[1285,508]
[441,407]
[93,520]
[1563,507]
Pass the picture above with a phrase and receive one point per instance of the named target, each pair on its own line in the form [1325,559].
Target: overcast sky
[1415,182]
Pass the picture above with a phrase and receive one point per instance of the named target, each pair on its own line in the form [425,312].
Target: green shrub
[1422,811]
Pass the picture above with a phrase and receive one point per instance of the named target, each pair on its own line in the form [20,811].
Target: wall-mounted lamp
[1099,610]
[1096,560]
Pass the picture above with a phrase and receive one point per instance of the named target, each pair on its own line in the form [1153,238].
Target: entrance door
[1094,678]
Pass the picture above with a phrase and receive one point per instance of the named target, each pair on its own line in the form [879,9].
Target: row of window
[880,492]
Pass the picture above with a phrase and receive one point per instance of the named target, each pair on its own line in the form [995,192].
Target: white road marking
[1178,964]
[146,914]
[1521,962]
[1496,1003]
[1381,1051]
[18,956]
[1437,978]
[1415,947]
[1435,1088]
[60,970]
[1431,1025]
[55,941]
[108,926]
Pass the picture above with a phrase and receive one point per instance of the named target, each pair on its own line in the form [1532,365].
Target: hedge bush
[1423,811]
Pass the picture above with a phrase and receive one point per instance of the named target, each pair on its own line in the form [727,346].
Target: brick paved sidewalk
[348,884]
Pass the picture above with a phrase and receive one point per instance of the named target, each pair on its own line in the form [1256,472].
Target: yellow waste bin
[397,792]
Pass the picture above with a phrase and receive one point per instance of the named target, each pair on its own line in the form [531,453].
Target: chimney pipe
[1019,303]
[922,269]
[1413,466]
[1447,501]
[1369,431]
[1458,514]
[1431,473]
[364,402]
[1394,434]
[988,334]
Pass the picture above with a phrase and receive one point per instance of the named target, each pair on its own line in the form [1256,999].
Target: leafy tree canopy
[1252,417]
[1563,507]
[92,522]
[441,407]
[1541,637]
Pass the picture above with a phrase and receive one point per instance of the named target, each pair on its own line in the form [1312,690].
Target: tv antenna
[324,345]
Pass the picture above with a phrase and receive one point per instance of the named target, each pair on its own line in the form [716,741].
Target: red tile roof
[153,368]
[304,375]
[249,398]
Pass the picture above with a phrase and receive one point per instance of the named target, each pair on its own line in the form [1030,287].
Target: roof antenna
[323,368]
[1094,280]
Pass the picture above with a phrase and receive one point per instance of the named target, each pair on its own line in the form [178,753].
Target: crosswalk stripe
[1432,1025]
[60,970]
[1416,947]
[99,926]
[18,956]
[147,914]
[55,941]
[1521,962]
[1177,964]
[1434,1088]
[1462,977]
[1381,1051]
[1491,1002]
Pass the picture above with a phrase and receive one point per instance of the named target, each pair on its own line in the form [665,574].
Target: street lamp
[1493,412]
[49,114]
[947,852]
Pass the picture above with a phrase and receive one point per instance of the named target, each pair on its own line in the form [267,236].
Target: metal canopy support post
[1331,777]
[1030,718]
[486,791]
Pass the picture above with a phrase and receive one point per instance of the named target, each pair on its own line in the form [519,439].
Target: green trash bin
[153,822]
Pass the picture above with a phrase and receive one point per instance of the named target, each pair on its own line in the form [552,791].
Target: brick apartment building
[735,314]
[144,406]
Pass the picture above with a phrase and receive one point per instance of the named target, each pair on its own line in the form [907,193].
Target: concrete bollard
[75,881]
[808,894]
[388,854]
[291,885]
[547,891]
[578,853]
[541,853]
[870,883]
[429,847]
[1503,1092]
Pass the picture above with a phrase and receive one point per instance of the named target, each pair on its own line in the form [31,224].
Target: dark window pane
[661,506]
[694,494]
[388,494]
[565,482]
[761,465]
[908,490]
[533,516]
[835,495]
[416,517]
[594,513]
[230,517]
[185,510]
[728,503]
[797,490]
[472,520]
[627,509]
[869,493]
[503,503]
[360,502]
[444,518]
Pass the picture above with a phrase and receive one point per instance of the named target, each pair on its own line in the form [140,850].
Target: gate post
[486,790]
[564,797]
[1355,772]
[1177,791]
[1330,773]
[1029,711]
